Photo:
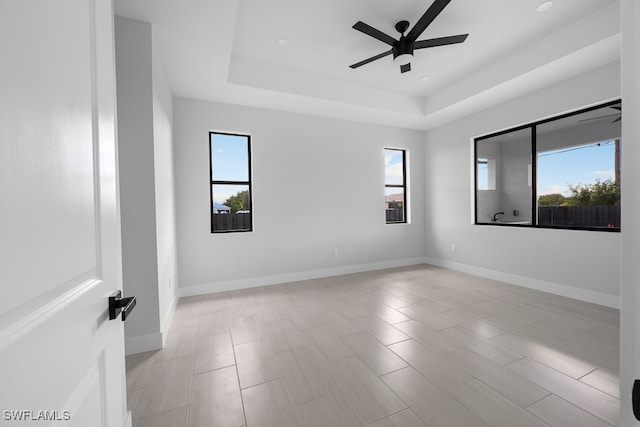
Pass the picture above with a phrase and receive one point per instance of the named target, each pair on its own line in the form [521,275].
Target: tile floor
[414,346]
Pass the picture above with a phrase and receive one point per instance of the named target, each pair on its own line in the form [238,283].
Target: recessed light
[283,42]
[543,7]
[424,78]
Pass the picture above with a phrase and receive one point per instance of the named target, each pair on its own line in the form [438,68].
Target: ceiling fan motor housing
[402,47]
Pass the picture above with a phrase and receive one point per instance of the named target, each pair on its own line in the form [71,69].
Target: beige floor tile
[301,316]
[434,406]
[133,396]
[603,381]
[433,366]
[213,323]
[216,400]
[256,363]
[388,314]
[321,342]
[433,321]
[337,323]
[330,410]
[535,332]
[306,374]
[284,336]
[519,389]
[433,341]
[376,356]
[393,301]
[137,366]
[366,393]
[600,355]
[555,359]
[186,314]
[328,343]
[584,396]
[404,418]
[213,352]
[271,404]
[174,418]
[476,326]
[245,329]
[180,342]
[429,305]
[560,413]
[168,387]
[492,407]
[489,349]
[379,329]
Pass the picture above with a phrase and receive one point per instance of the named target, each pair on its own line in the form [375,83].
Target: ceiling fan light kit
[403,48]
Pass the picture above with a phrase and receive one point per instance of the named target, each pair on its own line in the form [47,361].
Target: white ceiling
[227,51]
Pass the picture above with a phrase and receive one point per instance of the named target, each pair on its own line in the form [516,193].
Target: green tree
[554,199]
[598,193]
[238,202]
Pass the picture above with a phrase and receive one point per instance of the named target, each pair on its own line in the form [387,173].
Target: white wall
[580,264]
[146,185]
[318,184]
[164,192]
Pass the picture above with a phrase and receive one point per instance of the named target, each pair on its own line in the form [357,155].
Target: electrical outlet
[454,249]
[335,251]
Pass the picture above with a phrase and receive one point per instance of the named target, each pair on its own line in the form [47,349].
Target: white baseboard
[155,341]
[142,343]
[168,318]
[595,297]
[231,285]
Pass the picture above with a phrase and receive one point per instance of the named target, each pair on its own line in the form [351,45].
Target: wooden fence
[580,216]
[395,215]
[231,221]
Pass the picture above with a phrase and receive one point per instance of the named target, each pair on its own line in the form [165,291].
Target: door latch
[118,305]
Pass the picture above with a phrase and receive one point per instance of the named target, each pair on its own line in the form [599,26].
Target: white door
[61,358]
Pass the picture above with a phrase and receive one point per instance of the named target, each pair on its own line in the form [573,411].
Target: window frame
[534,170]
[404,187]
[213,182]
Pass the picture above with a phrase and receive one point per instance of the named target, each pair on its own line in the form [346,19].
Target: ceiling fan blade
[373,58]
[404,68]
[426,19]
[376,34]
[440,41]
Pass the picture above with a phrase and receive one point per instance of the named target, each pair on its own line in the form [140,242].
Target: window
[395,185]
[230,170]
[562,172]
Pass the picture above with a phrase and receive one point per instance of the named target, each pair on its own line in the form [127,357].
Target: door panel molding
[22,320]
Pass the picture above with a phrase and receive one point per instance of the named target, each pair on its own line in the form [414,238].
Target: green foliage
[238,202]
[551,200]
[598,193]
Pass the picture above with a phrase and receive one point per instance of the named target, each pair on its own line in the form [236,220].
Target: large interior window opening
[562,172]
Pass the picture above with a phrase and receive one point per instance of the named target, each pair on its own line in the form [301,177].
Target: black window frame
[534,171]
[213,182]
[403,186]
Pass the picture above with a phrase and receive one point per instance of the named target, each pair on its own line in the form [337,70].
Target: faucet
[496,214]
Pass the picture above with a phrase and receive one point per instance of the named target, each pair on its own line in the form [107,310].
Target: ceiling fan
[403,48]
[618,115]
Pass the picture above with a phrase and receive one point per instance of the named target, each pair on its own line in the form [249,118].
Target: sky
[577,165]
[229,162]
[572,165]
